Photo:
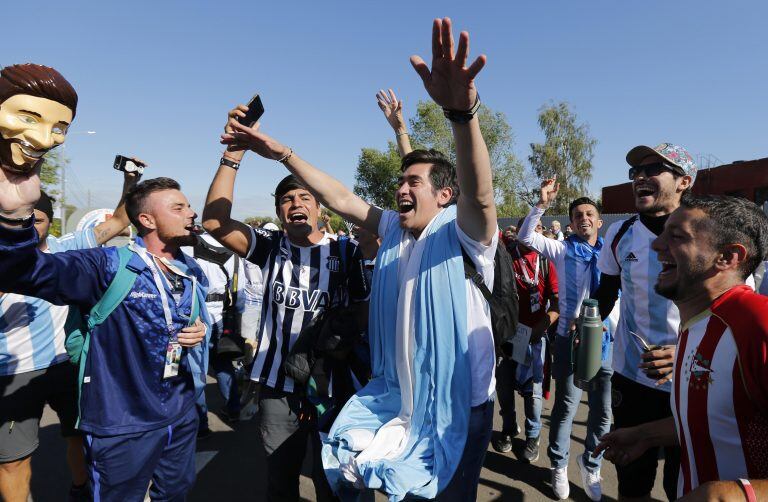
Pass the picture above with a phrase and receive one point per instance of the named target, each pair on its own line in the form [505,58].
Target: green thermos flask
[589,351]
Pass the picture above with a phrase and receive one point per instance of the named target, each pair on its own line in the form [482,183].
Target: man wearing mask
[36,107]
[144,364]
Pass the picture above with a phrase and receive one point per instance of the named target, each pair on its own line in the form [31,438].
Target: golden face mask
[29,127]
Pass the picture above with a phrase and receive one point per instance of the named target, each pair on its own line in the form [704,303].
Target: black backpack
[230,344]
[504,301]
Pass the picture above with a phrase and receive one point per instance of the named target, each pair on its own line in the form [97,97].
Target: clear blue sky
[156,79]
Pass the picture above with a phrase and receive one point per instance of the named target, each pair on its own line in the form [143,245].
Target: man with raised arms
[390,435]
[575,260]
[37,106]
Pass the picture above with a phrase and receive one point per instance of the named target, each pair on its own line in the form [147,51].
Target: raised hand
[18,193]
[238,137]
[549,189]
[449,82]
[133,177]
[392,108]
[237,112]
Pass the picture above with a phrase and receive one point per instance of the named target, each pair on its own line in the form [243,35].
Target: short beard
[676,292]
[662,204]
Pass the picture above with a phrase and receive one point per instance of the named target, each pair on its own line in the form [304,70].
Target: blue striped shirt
[32,330]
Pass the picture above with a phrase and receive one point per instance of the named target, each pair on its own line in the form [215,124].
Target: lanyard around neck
[144,254]
[524,267]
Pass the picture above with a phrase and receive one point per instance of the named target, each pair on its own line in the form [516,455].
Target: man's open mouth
[405,206]
[297,217]
[667,267]
[645,191]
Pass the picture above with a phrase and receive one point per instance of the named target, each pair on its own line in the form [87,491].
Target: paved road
[231,465]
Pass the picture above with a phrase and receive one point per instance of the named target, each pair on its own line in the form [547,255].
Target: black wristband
[23,221]
[230,163]
[462,117]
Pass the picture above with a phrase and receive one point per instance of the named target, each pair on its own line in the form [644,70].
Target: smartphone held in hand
[254,113]
[127,164]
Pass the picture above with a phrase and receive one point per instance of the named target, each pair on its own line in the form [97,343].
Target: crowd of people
[383,351]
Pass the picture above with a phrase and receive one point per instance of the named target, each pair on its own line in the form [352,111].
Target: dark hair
[37,80]
[137,196]
[442,174]
[733,220]
[579,202]
[287,184]
[45,205]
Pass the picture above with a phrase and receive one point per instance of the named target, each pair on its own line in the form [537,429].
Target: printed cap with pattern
[675,155]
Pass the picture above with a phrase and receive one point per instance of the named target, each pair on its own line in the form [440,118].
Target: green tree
[377,171]
[54,164]
[566,153]
[50,173]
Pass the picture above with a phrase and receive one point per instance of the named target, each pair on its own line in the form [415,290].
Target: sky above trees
[156,78]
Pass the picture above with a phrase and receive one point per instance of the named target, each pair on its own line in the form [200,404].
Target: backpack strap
[622,230]
[116,292]
[471,273]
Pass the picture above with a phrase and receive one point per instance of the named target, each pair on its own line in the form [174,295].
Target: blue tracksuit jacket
[123,390]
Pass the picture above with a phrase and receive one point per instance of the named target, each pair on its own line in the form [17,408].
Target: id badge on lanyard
[172,358]
[535,299]
[173,349]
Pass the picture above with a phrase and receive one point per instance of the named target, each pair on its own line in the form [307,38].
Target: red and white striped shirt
[720,391]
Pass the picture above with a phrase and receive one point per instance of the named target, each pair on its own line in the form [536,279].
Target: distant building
[748,179]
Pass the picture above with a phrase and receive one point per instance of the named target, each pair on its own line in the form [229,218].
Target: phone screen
[254,113]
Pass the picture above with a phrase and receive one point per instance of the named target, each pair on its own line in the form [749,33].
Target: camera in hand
[127,165]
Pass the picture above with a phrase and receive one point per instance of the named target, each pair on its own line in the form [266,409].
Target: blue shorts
[122,466]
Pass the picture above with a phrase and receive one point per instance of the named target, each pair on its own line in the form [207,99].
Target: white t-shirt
[218,281]
[480,336]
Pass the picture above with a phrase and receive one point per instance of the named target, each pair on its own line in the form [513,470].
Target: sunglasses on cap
[651,170]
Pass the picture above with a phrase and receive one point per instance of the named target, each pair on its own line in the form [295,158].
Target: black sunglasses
[651,169]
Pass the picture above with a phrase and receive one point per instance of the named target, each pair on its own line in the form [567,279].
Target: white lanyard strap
[524,267]
[161,287]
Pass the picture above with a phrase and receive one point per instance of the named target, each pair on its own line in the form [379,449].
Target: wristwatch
[462,117]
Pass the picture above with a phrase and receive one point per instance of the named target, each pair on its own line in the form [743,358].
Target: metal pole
[63,200]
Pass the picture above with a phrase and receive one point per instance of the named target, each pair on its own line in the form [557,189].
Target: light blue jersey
[574,276]
[27,323]
[644,314]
